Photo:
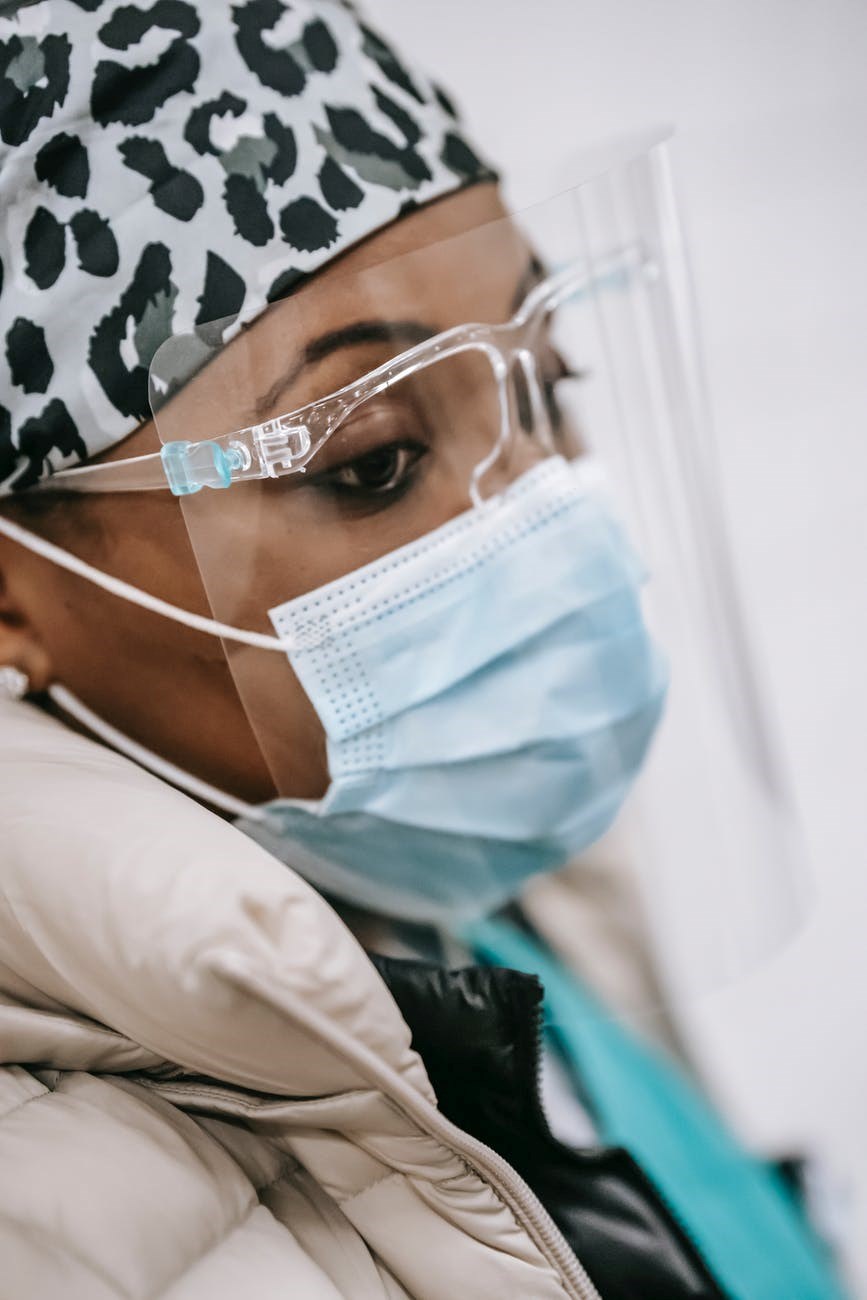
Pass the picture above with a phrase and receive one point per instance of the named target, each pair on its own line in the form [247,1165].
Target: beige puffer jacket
[206,1091]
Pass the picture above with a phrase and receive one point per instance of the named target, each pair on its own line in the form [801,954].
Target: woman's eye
[379,472]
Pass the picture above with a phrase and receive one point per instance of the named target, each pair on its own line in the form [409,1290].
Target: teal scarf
[737,1210]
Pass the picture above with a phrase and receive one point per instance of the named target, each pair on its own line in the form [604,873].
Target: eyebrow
[407,332]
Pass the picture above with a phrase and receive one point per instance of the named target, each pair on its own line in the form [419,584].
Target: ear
[20,647]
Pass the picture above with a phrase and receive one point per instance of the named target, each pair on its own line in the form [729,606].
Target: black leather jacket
[478,1031]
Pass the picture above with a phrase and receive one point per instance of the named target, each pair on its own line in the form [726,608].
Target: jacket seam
[394,1175]
[193,1092]
[42,1233]
[209,1249]
[252,1108]
[288,1167]
[491,1169]
[37,1230]
[49,1092]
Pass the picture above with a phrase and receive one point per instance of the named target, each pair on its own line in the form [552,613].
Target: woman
[227,1092]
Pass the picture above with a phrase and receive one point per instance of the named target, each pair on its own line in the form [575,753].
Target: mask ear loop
[192,785]
[70,704]
[126,591]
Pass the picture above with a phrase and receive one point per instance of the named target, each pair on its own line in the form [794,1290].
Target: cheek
[285,723]
[142,542]
[149,547]
[179,692]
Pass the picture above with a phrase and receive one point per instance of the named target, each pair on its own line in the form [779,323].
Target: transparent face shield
[463,505]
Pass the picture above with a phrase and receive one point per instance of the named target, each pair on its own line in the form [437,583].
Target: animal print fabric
[169,163]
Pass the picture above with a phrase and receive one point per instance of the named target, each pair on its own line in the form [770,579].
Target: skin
[172,688]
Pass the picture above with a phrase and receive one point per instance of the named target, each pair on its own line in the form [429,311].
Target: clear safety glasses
[523,371]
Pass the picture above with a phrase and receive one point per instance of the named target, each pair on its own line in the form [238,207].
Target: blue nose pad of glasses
[190,466]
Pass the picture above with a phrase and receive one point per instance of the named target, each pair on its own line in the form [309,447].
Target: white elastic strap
[201,790]
[127,591]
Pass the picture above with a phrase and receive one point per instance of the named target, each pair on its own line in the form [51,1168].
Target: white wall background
[770,101]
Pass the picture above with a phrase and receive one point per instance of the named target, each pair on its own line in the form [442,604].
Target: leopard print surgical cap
[167,163]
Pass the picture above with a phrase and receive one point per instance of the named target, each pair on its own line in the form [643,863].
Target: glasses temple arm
[137,474]
[613,270]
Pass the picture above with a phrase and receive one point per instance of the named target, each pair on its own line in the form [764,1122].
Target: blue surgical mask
[488,693]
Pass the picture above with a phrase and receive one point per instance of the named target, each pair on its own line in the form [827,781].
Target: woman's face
[399,467]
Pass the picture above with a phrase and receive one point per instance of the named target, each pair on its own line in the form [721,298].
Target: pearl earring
[14,684]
